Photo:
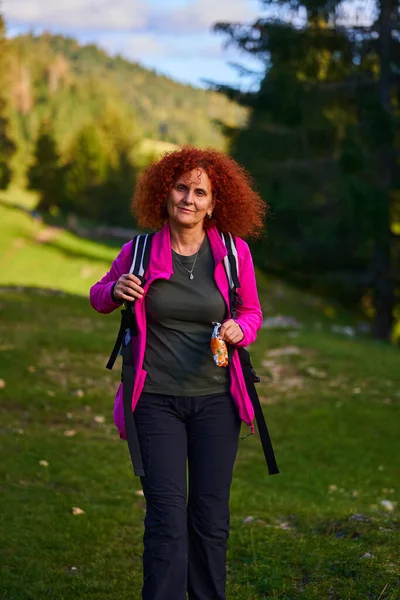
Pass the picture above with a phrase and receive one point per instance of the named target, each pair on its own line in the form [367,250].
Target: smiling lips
[186,209]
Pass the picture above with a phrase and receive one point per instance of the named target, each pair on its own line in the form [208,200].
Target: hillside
[325,528]
[55,77]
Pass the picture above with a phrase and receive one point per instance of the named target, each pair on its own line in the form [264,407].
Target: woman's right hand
[128,287]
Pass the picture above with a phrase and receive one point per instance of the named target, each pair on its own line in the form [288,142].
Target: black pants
[185,539]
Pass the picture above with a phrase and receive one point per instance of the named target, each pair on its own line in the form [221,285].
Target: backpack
[140,259]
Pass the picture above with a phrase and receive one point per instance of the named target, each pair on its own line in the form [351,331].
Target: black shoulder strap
[141,246]
[250,377]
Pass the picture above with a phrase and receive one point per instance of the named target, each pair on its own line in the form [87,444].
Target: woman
[186,408]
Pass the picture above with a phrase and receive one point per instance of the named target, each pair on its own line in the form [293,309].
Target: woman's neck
[186,241]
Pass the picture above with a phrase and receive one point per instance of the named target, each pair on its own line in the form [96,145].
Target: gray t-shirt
[180,312]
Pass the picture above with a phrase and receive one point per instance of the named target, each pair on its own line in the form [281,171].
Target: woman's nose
[188,199]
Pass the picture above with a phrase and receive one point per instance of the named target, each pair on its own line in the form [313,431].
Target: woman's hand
[230,332]
[128,287]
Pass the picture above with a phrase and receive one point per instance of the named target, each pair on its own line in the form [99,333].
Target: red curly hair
[238,208]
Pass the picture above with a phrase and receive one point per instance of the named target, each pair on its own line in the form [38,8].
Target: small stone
[73,570]
[99,419]
[332,488]
[388,504]
[44,463]
[285,351]
[358,517]
[316,373]
[249,520]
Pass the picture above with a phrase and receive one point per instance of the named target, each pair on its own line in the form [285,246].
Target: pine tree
[46,175]
[87,173]
[118,133]
[7,146]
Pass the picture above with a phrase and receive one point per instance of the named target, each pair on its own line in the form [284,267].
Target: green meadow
[325,528]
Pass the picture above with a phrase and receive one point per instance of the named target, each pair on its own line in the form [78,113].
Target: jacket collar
[161,253]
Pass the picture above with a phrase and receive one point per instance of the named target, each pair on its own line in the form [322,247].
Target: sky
[173,37]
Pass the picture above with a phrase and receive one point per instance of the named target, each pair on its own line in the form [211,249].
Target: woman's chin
[184,220]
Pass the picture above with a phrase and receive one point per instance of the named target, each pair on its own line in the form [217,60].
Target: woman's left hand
[231,332]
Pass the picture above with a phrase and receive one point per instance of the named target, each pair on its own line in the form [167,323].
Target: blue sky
[171,36]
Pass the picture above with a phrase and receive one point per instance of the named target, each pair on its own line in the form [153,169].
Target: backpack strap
[232,271]
[141,246]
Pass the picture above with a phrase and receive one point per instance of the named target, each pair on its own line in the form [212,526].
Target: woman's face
[190,199]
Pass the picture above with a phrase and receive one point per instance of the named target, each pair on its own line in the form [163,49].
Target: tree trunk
[384,280]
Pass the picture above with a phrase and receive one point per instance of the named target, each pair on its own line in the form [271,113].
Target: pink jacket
[249,315]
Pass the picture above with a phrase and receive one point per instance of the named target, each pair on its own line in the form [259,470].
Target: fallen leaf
[44,463]
[70,432]
[77,511]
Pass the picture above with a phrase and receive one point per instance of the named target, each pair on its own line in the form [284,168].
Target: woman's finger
[133,278]
[134,286]
[132,292]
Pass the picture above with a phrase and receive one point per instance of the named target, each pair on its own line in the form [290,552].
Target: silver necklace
[190,271]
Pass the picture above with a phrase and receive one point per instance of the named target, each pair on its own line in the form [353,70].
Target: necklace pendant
[191,276]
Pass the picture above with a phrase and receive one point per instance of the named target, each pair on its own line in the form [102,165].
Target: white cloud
[144,47]
[136,46]
[200,15]
[196,16]
[117,15]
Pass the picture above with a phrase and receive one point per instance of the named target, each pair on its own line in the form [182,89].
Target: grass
[331,403]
